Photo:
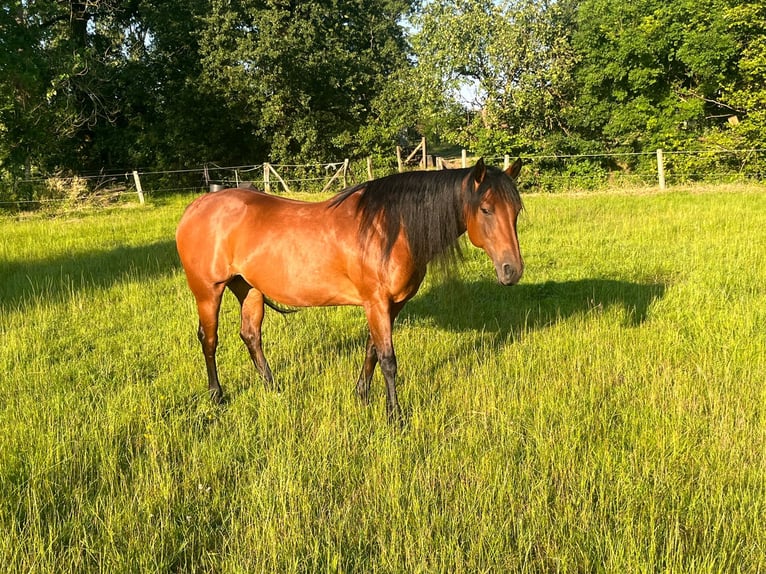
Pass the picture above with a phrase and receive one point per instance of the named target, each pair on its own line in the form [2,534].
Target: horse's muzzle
[509,273]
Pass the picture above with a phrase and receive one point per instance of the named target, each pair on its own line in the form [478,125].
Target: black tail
[279,309]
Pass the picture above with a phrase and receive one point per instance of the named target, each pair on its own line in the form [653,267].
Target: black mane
[427,205]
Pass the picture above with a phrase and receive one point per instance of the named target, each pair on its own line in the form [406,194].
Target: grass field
[607,414]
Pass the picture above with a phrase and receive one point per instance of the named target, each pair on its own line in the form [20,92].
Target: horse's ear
[513,170]
[479,171]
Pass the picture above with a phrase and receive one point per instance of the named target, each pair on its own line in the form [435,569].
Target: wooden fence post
[399,158]
[424,161]
[464,158]
[138,187]
[660,169]
[345,173]
[266,178]
[369,168]
[506,162]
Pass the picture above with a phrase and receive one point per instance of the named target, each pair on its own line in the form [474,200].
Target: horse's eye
[486,210]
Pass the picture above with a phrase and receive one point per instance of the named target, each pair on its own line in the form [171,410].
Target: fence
[542,173]
[551,173]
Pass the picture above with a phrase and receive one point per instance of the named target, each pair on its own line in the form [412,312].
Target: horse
[370,246]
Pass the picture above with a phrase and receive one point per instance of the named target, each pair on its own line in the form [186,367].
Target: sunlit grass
[605,414]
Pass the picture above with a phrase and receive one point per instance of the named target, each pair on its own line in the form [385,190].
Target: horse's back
[220,202]
[223,212]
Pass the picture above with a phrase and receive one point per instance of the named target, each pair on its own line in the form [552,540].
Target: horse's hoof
[363,392]
[396,418]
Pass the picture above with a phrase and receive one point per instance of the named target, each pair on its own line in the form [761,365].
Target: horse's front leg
[370,360]
[381,320]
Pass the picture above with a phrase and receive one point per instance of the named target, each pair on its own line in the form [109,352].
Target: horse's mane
[427,205]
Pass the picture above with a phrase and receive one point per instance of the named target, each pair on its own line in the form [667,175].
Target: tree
[510,56]
[61,62]
[86,85]
[167,118]
[744,96]
[302,75]
[24,85]
[100,84]
[650,72]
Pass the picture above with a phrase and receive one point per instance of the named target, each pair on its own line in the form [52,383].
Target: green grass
[606,414]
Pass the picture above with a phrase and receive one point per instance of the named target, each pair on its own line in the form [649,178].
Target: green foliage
[89,86]
[512,56]
[303,75]
[168,84]
[649,71]
[561,174]
[745,92]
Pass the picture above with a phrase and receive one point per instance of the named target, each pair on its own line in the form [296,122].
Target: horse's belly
[314,294]
[302,281]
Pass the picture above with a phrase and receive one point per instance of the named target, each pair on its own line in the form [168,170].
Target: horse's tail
[278,308]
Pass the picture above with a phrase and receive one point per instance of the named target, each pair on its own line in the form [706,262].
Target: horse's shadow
[505,313]
[485,306]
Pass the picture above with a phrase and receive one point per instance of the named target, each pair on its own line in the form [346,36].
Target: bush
[66,190]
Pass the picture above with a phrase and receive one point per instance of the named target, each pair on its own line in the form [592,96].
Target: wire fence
[564,172]
[541,173]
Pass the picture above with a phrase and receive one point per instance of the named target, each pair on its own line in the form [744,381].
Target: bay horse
[369,245]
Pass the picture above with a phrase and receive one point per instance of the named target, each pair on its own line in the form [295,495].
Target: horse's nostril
[509,274]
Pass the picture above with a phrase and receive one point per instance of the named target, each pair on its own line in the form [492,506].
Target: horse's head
[491,210]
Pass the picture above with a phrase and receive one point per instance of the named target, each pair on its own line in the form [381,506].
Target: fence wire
[541,173]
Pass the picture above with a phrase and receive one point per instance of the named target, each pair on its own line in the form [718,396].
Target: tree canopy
[108,84]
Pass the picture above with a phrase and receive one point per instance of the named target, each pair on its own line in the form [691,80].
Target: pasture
[606,414]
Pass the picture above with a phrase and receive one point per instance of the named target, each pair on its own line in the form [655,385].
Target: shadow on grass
[507,311]
[35,282]
[503,312]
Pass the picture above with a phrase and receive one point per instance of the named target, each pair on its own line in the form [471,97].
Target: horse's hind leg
[252,303]
[208,306]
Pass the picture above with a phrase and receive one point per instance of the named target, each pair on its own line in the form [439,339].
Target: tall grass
[606,414]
